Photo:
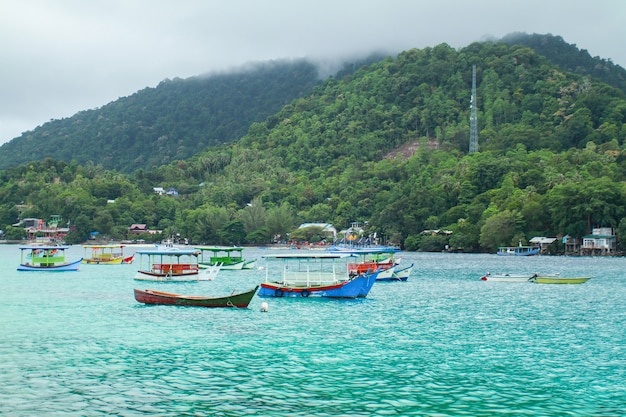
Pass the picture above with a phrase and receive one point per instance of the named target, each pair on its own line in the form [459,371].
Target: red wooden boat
[238,300]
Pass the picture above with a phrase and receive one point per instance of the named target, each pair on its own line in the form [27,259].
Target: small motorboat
[507,277]
[555,279]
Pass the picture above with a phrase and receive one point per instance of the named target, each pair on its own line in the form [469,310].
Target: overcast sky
[58,57]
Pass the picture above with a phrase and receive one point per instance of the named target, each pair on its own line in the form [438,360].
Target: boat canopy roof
[169,251]
[308,255]
[220,248]
[45,247]
[363,251]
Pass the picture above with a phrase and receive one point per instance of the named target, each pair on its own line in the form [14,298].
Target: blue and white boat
[518,250]
[50,258]
[314,274]
[401,274]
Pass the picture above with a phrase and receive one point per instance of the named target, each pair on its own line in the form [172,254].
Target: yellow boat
[559,280]
[103,254]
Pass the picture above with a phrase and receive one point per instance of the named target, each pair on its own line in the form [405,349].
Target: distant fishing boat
[517,250]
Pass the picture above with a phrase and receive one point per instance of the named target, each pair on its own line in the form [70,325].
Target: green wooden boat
[230,257]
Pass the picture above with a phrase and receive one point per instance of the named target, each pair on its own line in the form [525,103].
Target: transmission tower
[473,144]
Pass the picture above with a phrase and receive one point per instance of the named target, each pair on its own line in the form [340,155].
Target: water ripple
[443,343]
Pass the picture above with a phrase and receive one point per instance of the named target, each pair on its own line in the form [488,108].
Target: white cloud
[65,56]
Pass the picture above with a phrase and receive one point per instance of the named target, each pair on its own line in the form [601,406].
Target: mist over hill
[181,117]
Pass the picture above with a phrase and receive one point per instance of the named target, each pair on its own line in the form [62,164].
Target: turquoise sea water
[442,344]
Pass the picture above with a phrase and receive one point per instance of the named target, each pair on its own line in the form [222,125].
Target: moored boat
[380,259]
[103,254]
[230,257]
[234,300]
[48,258]
[314,274]
[507,277]
[555,279]
[517,250]
[401,274]
[169,264]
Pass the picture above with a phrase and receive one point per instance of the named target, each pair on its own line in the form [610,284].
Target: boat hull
[152,297]
[560,280]
[71,266]
[357,287]
[116,261]
[163,277]
[249,264]
[507,277]
[232,267]
[518,251]
[399,274]
[385,274]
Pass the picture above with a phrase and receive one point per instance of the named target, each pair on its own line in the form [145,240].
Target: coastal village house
[601,241]
[137,229]
[543,242]
[38,229]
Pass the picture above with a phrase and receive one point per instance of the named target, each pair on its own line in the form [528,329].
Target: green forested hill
[174,120]
[570,58]
[539,128]
[551,161]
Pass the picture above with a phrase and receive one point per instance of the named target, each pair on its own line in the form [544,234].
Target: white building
[601,240]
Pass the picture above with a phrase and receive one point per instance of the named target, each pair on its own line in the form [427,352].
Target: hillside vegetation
[551,161]
[172,121]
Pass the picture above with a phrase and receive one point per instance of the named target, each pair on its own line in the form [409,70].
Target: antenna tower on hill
[473,145]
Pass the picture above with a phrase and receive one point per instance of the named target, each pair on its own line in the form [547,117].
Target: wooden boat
[128,260]
[230,257]
[314,274]
[169,264]
[517,250]
[507,277]
[381,259]
[103,254]
[234,300]
[46,258]
[401,274]
[555,279]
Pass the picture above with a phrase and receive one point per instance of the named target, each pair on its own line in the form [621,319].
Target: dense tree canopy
[387,146]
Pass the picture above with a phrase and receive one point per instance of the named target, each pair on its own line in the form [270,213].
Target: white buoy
[265,307]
